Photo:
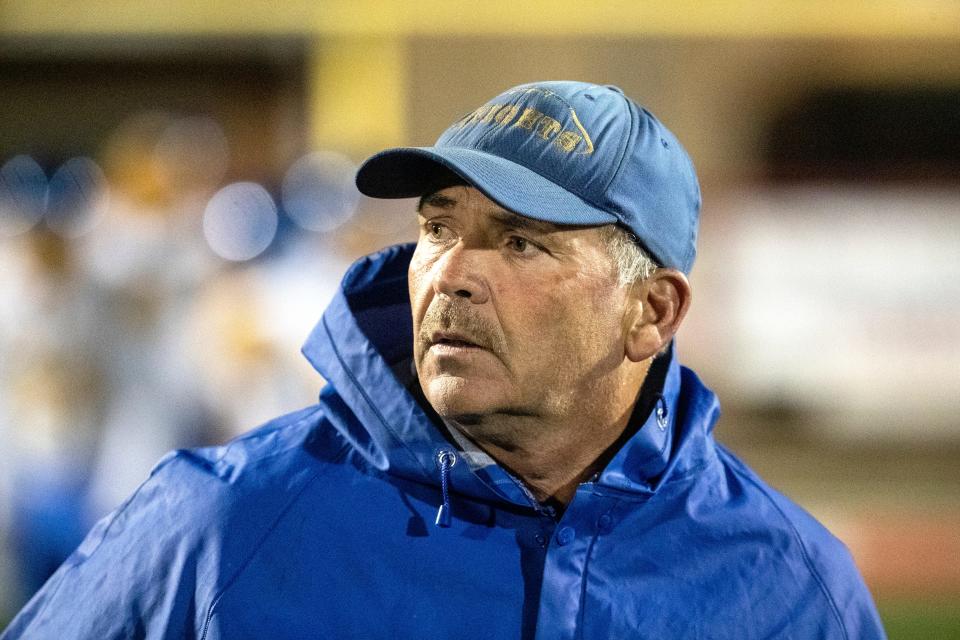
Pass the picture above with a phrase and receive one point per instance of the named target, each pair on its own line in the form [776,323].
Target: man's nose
[458,274]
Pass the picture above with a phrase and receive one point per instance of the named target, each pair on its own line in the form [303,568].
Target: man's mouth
[451,341]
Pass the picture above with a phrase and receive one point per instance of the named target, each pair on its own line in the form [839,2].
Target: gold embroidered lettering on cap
[547,127]
[467,119]
[488,117]
[568,140]
[480,113]
[586,136]
[534,121]
[506,114]
[528,118]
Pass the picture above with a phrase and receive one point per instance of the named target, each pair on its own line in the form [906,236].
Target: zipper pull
[445,460]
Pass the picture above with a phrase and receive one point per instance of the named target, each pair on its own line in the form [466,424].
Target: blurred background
[177,207]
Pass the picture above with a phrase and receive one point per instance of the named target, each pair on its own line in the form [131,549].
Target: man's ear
[659,304]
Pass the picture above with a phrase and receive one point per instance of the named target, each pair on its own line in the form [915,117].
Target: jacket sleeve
[134,576]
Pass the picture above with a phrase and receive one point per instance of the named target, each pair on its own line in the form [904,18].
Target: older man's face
[511,316]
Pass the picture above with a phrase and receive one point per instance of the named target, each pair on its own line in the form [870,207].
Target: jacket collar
[362,346]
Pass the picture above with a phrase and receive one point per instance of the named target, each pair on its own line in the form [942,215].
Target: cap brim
[411,172]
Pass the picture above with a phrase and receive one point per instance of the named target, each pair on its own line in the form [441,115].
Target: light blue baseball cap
[563,152]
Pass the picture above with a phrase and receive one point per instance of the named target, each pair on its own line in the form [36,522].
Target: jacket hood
[363,346]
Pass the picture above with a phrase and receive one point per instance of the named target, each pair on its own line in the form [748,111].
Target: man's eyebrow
[516,221]
[437,200]
[503,218]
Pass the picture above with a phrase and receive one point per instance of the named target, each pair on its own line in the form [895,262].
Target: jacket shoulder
[153,566]
[806,546]
[267,451]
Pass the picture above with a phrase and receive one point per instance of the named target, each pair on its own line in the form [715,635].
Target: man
[506,446]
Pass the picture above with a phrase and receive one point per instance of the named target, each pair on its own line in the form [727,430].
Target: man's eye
[521,245]
[435,230]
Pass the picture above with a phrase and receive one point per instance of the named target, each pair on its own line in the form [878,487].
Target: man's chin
[459,398]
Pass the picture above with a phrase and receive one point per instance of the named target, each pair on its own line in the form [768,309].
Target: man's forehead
[450,197]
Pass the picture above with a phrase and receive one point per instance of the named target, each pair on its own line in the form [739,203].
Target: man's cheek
[418,297]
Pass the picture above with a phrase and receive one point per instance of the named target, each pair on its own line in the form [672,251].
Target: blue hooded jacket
[320,524]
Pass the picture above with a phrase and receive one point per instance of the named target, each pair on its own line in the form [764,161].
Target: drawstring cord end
[443,516]
[445,460]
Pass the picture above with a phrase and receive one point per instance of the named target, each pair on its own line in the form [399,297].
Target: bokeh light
[240,221]
[194,151]
[23,195]
[319,193]
[131,163]
[78,196]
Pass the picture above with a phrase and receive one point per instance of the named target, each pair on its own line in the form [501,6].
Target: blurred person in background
[96,348]
[514,374]
[146,256]
[49,415]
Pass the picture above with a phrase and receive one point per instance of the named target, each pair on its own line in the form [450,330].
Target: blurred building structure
[160,261]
